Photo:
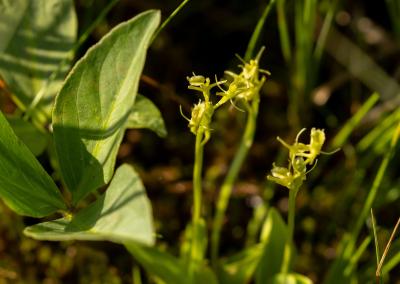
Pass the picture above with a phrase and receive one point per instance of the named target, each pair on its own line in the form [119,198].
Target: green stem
[196,254]
[137,279]
[166,22]
[257,31]
[197,170]
[283,30]
[291,216]
[226,188]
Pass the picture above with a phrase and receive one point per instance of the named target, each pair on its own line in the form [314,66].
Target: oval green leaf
[95,102]
[24,185]
[122,215]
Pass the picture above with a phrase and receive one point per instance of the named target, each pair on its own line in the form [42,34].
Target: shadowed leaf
[24,185]
[123,214]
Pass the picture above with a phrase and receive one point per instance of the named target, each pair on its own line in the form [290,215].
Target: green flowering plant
[244,87]
[301,156]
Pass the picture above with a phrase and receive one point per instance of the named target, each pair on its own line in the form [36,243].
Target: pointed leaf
[291,278]
[93,106]
[159,263]
[145,114]
[274,235]
[34,139]
[24,185]
[240,268]
[168,268]
[123,214]
[36,36]
[264,259]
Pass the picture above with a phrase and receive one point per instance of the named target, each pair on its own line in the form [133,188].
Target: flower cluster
[243,86]
[300,156]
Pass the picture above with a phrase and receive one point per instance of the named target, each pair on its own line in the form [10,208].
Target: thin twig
[378,270]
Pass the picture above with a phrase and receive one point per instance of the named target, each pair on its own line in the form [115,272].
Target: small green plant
[244,88]
[301,156]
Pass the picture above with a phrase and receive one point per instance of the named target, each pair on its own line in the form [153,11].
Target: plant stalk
[196,254]
[283,30]
[289,240]
[226,188]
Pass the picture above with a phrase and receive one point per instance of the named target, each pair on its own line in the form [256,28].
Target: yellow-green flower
[300,156]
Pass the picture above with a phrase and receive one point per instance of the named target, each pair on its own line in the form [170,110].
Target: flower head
[300,156]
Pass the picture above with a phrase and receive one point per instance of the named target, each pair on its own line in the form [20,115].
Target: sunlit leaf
[123,214]
[95,102]
[24,185]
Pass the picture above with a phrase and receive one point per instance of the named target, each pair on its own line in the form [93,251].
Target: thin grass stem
[283,30]
[348,128]
[226,188]
[379,268]
[376,241]
[257,31]
[136,277]
[170,17]
[323,35]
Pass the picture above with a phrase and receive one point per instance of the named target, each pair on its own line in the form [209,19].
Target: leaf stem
[226,188]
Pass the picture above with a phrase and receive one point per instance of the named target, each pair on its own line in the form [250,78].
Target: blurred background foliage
[337,55]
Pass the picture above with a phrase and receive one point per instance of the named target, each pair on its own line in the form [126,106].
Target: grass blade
[166,22]
[348,128]
[377,253]
[257,31]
